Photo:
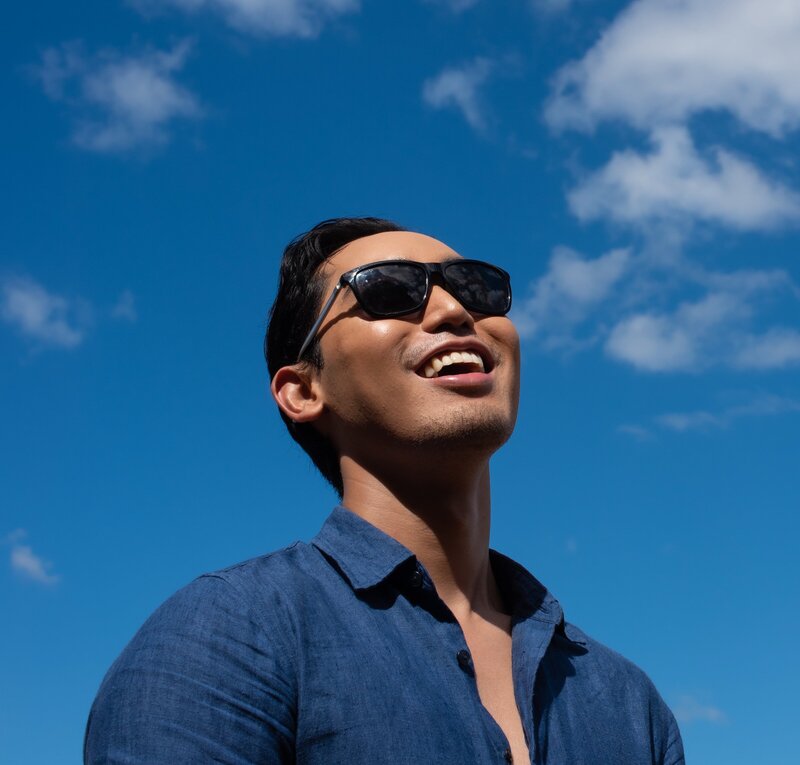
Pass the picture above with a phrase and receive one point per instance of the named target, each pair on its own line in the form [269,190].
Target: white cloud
[764,404]
[761,406]
[683,421]
[696,335]
[690,710]
[659,314]
[550,6]
[653,343]
[458,87]
[121,102]
[776,348]
[456,6]
[635,431]
[712,330]
[42,316]
[27,563]
[675,183]
[125,307]
[746,281]
[701,335]
[662,61]
[290,18]
[704,421]
[659,64]
[568,292]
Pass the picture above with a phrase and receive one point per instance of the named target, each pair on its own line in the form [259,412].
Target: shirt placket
[456,652]
[530,638]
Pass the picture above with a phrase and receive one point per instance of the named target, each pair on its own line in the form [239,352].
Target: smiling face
[373,382]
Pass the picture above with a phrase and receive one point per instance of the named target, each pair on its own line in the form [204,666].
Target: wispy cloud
[683,421]
[639,432]
[659,314]
[708,420]
[675,183]
[690,710]
[458,87]
[120,102]
[550,7]
[764,405]
[662,62]
[41,316]
[278,18]
[689,338]
[456,6]
[658,65]
[25,562]
[655,67]
[571,290]
[125,307]
[701,334]
[776,348]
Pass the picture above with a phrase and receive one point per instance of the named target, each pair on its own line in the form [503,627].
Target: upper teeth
[435,364]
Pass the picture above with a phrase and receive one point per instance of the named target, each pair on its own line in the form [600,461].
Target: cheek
[361,366]
[381,334]
[504,337]
[365,346]
[506,328]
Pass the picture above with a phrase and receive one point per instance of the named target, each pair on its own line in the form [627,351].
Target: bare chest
[490,647]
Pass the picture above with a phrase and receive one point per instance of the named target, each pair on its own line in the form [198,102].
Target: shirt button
[416,579]
[507,756]
[463,658]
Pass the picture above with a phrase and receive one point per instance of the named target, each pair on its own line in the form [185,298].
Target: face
[373,381]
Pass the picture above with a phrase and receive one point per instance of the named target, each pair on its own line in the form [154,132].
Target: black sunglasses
[398,287]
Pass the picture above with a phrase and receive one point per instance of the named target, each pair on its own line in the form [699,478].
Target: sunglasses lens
[391,289]
[480,287]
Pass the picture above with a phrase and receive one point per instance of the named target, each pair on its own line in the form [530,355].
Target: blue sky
[633,165]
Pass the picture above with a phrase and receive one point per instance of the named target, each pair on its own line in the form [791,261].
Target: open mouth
[449,363]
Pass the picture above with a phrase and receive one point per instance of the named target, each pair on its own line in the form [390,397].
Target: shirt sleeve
[674,751]
[204,680]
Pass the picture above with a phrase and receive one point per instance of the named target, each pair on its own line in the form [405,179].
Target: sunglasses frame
[347,279]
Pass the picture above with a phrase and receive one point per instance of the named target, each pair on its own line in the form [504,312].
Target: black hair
[297,304]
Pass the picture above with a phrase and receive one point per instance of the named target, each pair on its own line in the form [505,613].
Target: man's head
[360,388]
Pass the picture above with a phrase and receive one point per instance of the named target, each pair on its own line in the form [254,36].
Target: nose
[444,311]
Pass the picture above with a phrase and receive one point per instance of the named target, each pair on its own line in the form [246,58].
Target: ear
[297,393]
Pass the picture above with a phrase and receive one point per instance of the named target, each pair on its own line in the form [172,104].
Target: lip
[472,381]
[459,345]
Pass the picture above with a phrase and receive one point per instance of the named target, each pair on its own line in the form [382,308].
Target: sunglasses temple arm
[323,313]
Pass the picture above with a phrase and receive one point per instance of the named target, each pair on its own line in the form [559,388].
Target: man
[396,636]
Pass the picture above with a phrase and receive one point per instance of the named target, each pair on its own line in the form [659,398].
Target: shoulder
[606,665]
[219,653]
[244,608]
[255,594]
[605,670]
[228,632]
[602,673]
[287,570]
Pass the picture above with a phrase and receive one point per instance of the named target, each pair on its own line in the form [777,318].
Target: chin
[486,432]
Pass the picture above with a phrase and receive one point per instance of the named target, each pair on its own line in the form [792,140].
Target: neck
[442,514]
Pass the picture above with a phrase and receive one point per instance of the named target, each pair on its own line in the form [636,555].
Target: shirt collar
[529,597]
[367,556]
[364,553]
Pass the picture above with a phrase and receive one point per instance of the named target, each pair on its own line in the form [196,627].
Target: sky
[633,165]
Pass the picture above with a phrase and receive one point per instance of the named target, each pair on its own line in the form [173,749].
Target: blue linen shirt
[340,651]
